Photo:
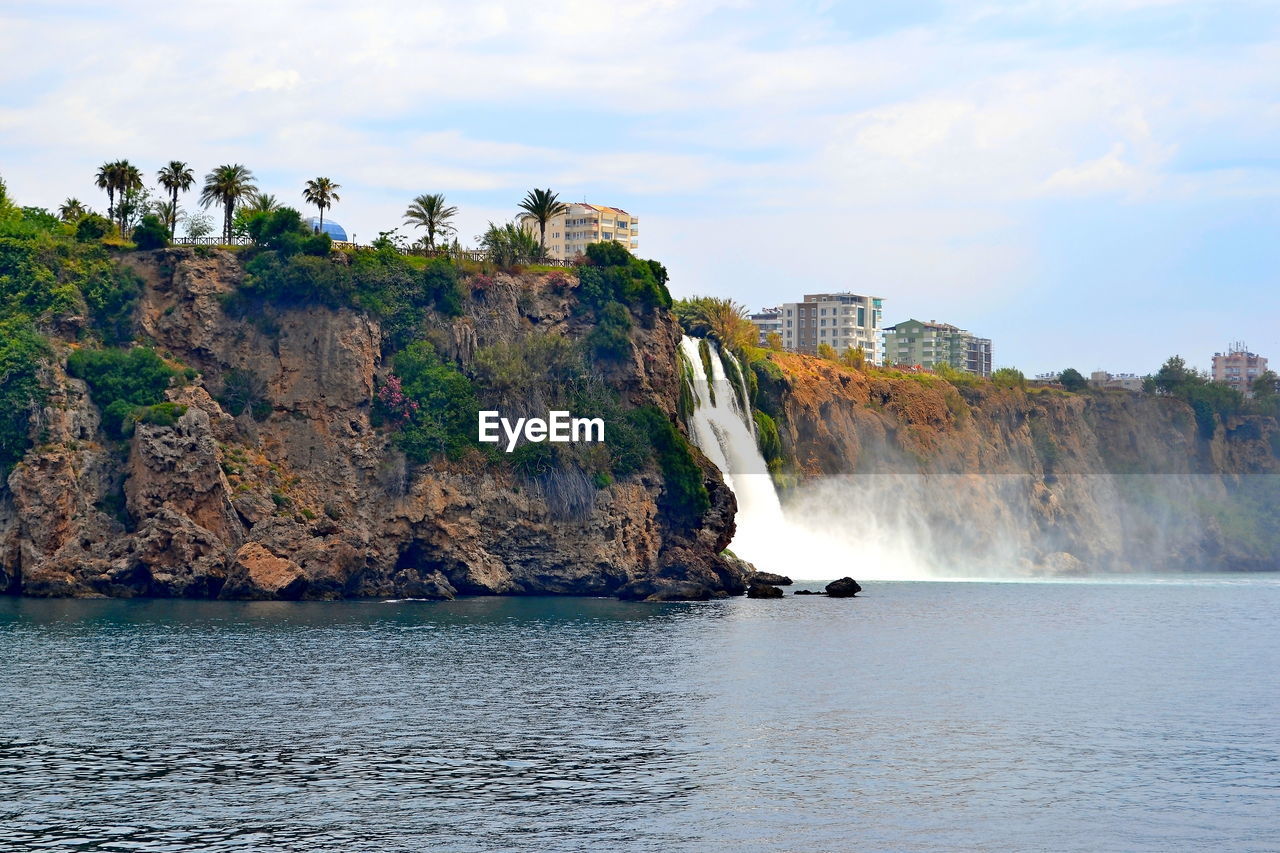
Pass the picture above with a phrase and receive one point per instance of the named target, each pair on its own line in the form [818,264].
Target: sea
[1127,714]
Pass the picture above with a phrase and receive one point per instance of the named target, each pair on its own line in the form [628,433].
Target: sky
[1090,183]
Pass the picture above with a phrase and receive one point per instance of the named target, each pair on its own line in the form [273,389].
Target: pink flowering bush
[394,404]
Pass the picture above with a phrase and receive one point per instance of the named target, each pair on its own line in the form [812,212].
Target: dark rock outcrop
[771,579]
[843,588]
[763,590]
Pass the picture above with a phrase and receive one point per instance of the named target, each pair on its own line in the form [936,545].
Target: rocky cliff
[311,498]
[985,480]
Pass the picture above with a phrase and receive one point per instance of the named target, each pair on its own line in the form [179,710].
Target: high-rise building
[930,344]
[1238,367]
[569,233]
[840,320]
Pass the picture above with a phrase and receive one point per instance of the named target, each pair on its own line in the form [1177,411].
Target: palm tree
[431,213]
[542,206]
[108,178]
[71,210]
[128,180]
[176,177]
[321,192]
[166,213]
[260,202]
[226,185]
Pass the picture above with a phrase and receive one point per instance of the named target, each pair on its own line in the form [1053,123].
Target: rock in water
[808,592]
[763,590]
[771,579]
[843,588]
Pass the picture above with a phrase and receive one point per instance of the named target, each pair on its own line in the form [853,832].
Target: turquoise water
[920,716]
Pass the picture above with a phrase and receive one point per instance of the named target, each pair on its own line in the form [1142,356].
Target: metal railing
[478,255]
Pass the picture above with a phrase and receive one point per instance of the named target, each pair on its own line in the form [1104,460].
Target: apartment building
[569,233]
[1127,381]
[840,320]
[930,344]
[767,320]
[1238,367]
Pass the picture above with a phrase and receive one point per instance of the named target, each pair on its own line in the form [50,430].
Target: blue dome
[333,229]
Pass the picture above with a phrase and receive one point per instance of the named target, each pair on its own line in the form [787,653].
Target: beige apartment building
[569,233]
[1238,368]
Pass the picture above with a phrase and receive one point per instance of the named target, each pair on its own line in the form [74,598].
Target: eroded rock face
[1030,483]
[310,500]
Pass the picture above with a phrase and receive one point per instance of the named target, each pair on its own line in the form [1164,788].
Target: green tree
[227,185]
[429,211]
[542,206]
[71,210]
[176,177]
[151,233]
[1009,377]
[1073,380]
[1173,375]
[1266,393]
[322,192]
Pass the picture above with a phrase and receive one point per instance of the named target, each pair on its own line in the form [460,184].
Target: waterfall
[810,543]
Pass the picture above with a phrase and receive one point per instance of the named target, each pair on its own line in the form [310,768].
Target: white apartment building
[569,233]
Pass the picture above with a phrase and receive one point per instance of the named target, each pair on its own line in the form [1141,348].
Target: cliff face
[987,481]
[311,500]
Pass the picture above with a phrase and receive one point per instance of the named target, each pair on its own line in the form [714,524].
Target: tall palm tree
[176,177]
[71,210]
[321,192]
[226,185]
[430,212]
[543,206]
[129,179]
[108,178]
[260,202]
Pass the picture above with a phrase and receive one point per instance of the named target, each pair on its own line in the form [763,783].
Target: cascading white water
[767,536]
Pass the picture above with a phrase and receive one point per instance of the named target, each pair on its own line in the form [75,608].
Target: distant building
[768,320]
[569,233]
[1127,381]
[840,320]
[333,229]
[930,344]
[1238,367]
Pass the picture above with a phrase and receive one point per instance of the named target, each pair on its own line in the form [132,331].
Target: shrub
[768,440]
[611,338]
[1009,377]
[121,381]
[21,350]
[92,228]
[161,414]
[443,286]
[242,390]
[111,292]
[684,495]
[445,418]
[151,233]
